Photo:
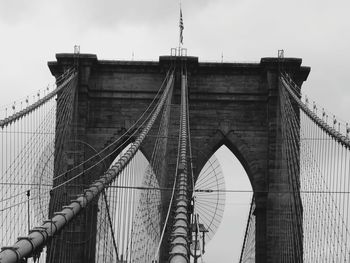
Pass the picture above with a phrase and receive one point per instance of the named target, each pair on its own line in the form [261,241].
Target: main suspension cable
[39,236]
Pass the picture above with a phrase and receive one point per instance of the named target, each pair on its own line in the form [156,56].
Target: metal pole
[196,239]
[28,196]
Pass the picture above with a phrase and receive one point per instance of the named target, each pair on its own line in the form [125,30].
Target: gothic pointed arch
[238,146]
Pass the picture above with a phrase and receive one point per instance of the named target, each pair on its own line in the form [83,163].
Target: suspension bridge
[114,163]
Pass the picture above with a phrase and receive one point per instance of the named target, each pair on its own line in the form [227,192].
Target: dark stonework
[232,104]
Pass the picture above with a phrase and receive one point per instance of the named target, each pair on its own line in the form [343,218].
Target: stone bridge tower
[232,104]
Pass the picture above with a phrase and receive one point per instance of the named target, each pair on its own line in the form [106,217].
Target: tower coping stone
[65,60]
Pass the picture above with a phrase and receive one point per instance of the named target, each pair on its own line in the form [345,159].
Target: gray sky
[317,31]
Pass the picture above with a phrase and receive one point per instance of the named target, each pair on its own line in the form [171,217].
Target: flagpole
[180,31]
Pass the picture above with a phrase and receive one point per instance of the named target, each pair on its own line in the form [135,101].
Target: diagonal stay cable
[39,236]
[110,153]
[124,134]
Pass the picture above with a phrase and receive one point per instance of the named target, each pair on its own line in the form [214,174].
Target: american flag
[181,25]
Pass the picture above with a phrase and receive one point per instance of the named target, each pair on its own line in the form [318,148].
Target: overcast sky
[317,31]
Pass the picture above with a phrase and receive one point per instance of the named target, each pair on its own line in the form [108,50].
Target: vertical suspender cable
[39,236]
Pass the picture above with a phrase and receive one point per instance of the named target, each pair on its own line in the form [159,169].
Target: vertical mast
[181,26]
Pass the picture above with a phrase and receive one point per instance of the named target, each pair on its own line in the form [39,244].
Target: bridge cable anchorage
[179,251]
[64,79]
[38,237]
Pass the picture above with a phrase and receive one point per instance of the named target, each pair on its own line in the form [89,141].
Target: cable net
[27,147]
[318,163]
